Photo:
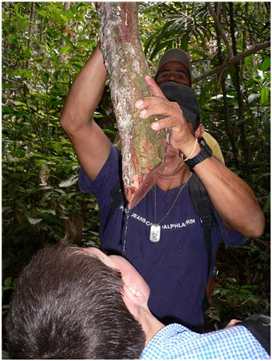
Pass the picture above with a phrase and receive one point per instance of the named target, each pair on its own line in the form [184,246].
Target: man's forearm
[232,197]
[85,94]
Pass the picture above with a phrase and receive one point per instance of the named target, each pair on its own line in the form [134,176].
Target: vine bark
[142,148]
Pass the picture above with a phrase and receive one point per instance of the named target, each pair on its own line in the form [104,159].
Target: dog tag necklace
[155,228]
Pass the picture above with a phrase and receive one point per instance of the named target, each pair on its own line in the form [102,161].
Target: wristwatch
[205,153]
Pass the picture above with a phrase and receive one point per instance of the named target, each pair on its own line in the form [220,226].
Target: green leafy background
[46,44]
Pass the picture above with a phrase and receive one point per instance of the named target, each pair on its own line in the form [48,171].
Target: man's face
[172,162]
[173,71]
[173,159]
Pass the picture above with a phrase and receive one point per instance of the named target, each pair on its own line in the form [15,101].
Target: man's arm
[91,144]
[231,196]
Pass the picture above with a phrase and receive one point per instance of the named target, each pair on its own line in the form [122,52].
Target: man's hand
[233,322]
[170,117]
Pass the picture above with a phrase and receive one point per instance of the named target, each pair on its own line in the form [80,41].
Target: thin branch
[236,78]
[220,29]
[222,81]
[234,60]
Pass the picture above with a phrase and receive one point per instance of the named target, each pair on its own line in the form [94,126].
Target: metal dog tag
[155,233]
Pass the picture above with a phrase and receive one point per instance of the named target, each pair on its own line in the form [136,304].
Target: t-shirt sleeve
[107,178]
[229,236]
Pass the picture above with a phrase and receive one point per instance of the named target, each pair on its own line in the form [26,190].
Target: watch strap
[204,153]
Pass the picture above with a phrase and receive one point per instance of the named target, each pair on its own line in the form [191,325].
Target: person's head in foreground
[70,302]
[77,303]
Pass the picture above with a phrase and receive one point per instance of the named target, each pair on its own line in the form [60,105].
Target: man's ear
[200,131]
[134,295]
[133,299]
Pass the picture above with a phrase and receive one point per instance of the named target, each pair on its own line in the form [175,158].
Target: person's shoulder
[165,343]
[109,172]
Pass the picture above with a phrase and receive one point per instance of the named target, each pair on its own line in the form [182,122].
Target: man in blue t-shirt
[162,236]
[78,303]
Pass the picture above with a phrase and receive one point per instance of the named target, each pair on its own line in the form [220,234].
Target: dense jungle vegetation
[44,47]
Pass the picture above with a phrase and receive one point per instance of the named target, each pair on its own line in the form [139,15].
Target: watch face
[205,145]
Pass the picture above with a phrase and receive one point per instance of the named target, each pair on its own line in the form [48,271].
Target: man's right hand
[170,117]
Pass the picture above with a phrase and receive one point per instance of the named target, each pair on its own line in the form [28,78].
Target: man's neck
[150,324]
[169,182]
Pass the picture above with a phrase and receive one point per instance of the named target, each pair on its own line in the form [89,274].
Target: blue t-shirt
[175,268]
[178,342]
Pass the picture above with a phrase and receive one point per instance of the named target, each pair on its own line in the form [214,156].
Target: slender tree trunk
[64,57]
[222,80]
[31,22]
[142,148]
[237,84]
[67,5]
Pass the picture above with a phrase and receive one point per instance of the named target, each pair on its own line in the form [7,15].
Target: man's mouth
[171,151]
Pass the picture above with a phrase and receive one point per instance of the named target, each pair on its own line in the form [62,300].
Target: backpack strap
[204,209]
[116,195]
[116,200]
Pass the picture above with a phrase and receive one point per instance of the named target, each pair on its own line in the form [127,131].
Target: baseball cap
[175,55]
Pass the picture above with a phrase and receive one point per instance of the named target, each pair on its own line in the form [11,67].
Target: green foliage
[44,47]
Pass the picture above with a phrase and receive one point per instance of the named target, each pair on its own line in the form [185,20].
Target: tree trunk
[237,85]
[142,148]
[222,80]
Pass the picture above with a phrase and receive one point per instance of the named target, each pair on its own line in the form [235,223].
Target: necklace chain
[170,208]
